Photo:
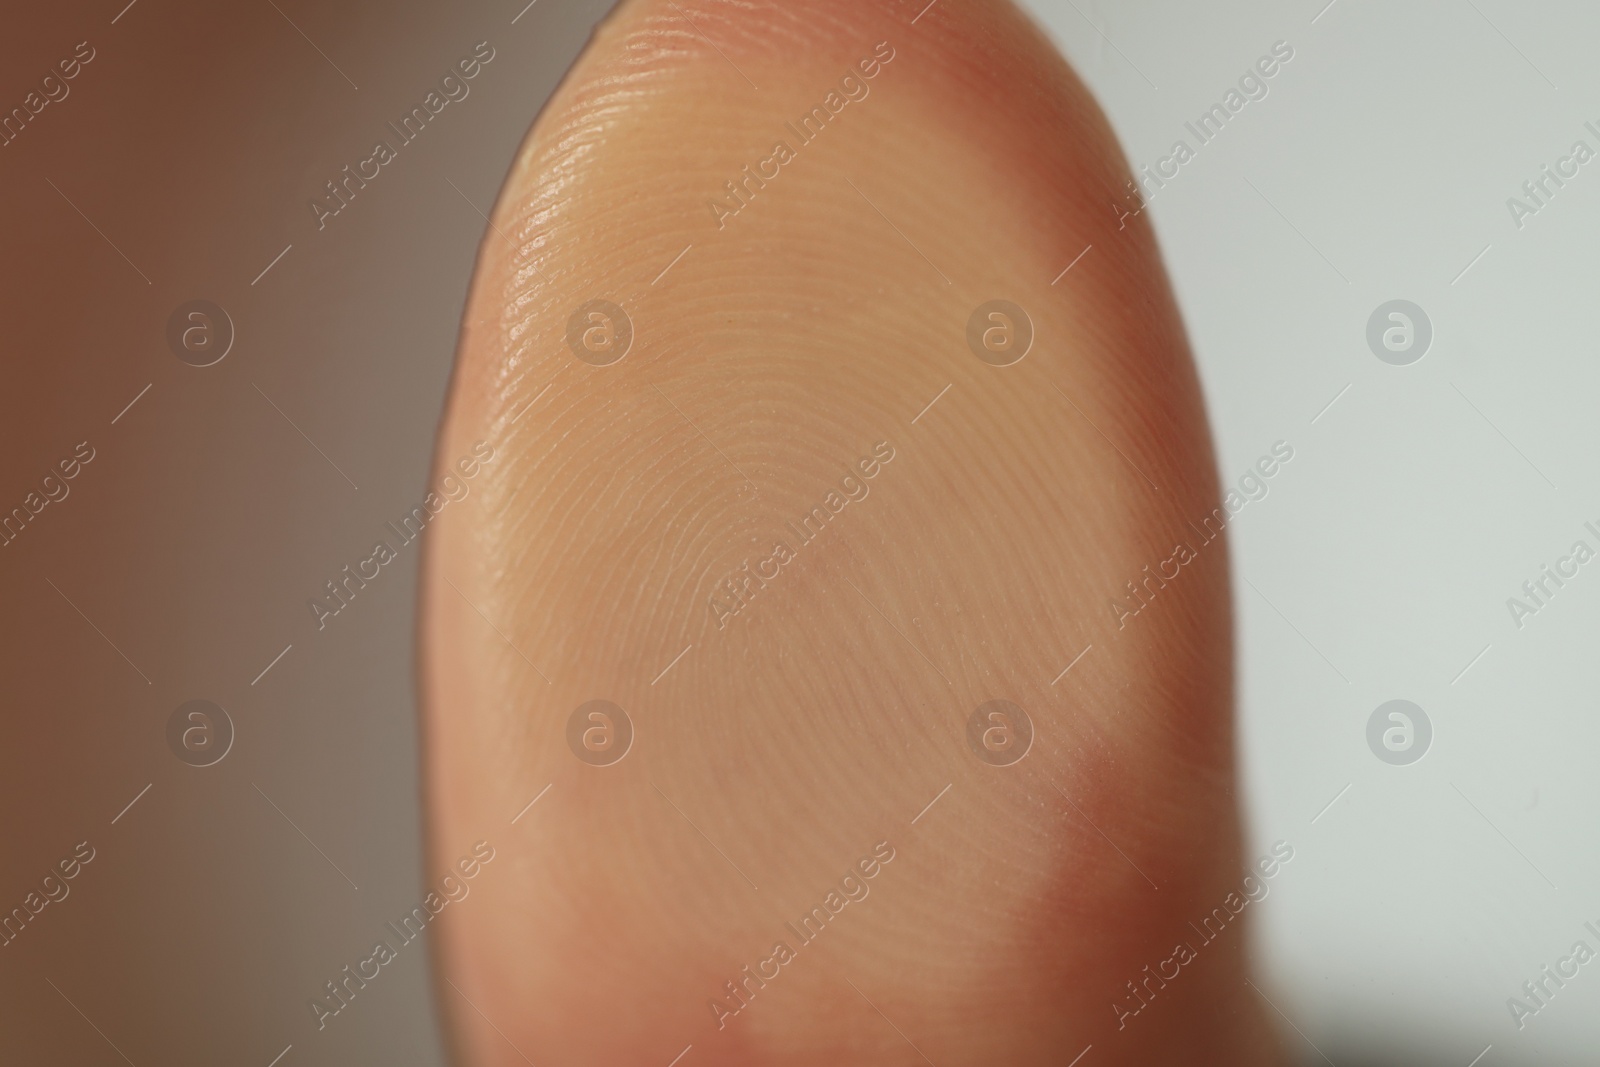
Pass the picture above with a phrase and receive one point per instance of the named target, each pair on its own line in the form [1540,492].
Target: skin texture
[815,724]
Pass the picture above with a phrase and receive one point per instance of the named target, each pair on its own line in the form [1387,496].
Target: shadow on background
[175,164]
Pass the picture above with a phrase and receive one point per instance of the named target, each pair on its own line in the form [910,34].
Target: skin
[815,723]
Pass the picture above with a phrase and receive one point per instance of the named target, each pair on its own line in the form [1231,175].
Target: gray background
[1377,568]
[1380,563]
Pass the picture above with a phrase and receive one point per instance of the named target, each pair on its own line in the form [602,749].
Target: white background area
[1379,566]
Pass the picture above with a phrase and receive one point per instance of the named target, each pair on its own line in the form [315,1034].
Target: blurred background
[1443,857]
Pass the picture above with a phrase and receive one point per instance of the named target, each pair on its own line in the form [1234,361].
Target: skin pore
[799,533]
